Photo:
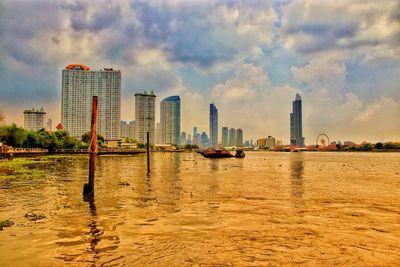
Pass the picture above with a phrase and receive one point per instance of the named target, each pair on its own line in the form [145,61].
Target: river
[268,209]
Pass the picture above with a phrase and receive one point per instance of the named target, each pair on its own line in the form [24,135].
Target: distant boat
[217,153]
[240,153]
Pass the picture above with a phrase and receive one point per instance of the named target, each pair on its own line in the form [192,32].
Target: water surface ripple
[266,209]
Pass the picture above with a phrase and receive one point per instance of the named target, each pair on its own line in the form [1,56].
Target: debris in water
[33,217]
[5,223]
[124,183]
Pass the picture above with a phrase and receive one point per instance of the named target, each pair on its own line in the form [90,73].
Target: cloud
[249,101]
[364,27]
[321,72]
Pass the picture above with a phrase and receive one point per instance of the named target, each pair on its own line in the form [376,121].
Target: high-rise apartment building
[34,119]
[79,85]
[183,138]
[213,125]
[132,130]
[124,129]
[170,120]
[296,126]
[157,138]
[204,141]
[232,137]
[224,141]
[239,137]
[271,142]
[145,116]
[50,124]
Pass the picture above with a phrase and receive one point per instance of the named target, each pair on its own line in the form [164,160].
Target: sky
[248,57]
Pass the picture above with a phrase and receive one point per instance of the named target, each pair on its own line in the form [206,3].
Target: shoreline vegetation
[61,142]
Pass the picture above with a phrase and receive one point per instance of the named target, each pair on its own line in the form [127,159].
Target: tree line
[15,136]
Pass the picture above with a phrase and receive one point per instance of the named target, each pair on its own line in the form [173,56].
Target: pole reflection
[297,179]
[94,232]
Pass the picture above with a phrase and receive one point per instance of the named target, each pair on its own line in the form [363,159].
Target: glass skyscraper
[239,137]
[296,126]
[232,137]
[224,141]
[170,120]
[213,125]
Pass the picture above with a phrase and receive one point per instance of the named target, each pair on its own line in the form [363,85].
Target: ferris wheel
[322,140]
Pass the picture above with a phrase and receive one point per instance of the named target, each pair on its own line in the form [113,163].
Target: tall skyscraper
[189,139]
[224,136]
[296,126]
[239,137]
[170,120]
[34,119]
[183,138]
[232,137]
[213,125]
[204,143]
[50,124]
[131,129]
[157,139]
[124,129]
[145,116]
[79,85]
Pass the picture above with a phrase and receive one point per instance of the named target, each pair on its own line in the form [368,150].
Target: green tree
[86,139]
[366,147]
[12,135]
[141,145]
[378,145]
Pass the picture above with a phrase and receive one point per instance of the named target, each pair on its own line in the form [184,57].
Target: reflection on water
[296,175]
[265,209]
[94,233]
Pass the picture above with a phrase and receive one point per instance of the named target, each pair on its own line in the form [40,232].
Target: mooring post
[148,153]
[89,187]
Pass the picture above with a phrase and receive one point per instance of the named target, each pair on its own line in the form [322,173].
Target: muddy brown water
[268,209]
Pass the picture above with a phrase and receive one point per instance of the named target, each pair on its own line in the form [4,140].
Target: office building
[224,141]
[131,130]
[232,137]
[123,129]
[204,141]
[213,125]
[170,120]
[79,85]
[183,138]
[34,119]
[296,127]
[270,142]
[239,137]
[145,116]
[50,124]
[189,139]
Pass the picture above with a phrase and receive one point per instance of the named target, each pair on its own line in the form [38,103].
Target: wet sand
[268,209]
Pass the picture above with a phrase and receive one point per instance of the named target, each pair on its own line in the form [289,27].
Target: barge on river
[222,153]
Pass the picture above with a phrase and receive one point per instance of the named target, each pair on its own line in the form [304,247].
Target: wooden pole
[89,187]
[148,153]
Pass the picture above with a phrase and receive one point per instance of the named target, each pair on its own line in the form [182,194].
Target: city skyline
[248,57]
